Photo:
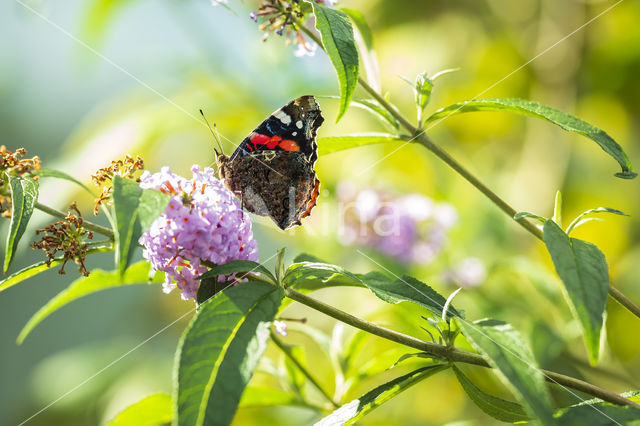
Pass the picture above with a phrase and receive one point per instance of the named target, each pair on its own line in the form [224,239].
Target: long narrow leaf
[411,290]
[584,272]
[365,42]
[24,195]
[45,173]
[337,37]
[358,408]
[39,267]
[219,352]
[98,280]
[152,410]
[580,219]
[497,408]
[553,115]
[505,351]
[135,209]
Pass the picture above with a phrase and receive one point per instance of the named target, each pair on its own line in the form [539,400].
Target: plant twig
[85,223]
[446,352]
[303,370]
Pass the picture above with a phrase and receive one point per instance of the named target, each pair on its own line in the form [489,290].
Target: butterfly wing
[291,128]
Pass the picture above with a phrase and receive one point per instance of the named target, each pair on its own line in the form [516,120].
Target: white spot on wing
[294,134]
[298,123]
[283,117]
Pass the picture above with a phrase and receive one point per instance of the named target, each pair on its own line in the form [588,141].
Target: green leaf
[376,109]
[39,267]
[497,408]
[151,205]
[557,209]
[220,350]
[262,396]
[337,37]
[583,269]
[358,408]
[521,215]
[236,266]
[601,415]
[411,290]
[504,350]
[152,410]
[365,43]
[330,144]
[300,271]
[580,219]
[135,209]
[45,173]
[24,195]
[138,273]
[555,116]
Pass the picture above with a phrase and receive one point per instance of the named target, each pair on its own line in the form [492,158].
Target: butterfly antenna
[214,132]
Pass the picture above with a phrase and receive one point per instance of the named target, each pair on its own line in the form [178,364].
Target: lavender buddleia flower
[412,228]
[203,221]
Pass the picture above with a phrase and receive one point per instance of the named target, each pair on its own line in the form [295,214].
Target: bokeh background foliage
[130,76]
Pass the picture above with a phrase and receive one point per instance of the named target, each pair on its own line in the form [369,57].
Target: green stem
[422,138]
[303,370]
[446,352]
[85,223]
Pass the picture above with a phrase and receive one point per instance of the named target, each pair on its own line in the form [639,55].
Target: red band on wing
[289,145]
[259,139]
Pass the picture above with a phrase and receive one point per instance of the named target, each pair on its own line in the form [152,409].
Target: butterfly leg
[239,193]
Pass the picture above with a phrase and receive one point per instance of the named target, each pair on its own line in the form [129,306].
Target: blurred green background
[84,82]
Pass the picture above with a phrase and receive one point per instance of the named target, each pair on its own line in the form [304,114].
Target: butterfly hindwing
[291,128]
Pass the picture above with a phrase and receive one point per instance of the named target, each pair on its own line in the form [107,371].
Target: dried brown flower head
[67,236]
[104,177]
[12,163]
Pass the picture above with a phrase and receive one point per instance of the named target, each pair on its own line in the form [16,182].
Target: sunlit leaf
[365,42]
[98,280]
[45,173]
[135,209]
[504,350]
[497,408]
[300,272]
[237,266]
[330,144]
[555,116]
[584,272]
[408,289]
[337,37]
[39,267]
[220,350]
[24,195]
[152,410]
[378,111]
[521,215]
[583,216]
[358,408]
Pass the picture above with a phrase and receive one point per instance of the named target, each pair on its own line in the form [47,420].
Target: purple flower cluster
[203,221]
[412,228]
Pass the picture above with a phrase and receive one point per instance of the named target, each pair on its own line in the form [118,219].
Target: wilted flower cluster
[284,18]
[203,222]
[104,177]
[12,163]
[67,236]
[411,228]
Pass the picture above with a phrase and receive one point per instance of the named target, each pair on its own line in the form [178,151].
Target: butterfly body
[272,169]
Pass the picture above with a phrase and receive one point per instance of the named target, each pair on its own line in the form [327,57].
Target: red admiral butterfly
[272,169]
